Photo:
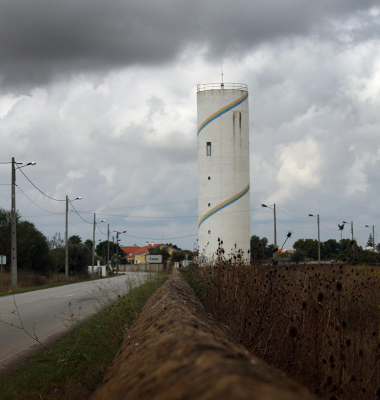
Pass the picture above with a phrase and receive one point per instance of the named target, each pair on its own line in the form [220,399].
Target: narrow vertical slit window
[208,149]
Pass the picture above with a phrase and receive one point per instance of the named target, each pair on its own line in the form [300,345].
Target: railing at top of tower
[215,86]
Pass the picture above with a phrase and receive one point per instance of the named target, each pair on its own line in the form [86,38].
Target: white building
[223,168]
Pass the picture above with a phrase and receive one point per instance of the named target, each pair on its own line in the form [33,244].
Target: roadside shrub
[297,256]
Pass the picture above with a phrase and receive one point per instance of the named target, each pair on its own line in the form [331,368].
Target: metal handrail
[215,86]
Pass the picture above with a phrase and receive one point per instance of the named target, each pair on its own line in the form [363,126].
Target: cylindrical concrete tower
[223,168]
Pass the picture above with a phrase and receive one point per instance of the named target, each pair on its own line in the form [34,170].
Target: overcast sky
[102,95]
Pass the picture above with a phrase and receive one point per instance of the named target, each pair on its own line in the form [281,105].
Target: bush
[297,256]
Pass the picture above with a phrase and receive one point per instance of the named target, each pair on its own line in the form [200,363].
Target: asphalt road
[49,312]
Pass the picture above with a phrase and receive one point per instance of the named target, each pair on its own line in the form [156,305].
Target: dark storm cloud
[41,38]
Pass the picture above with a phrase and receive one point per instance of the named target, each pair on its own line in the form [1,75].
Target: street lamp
[14,223]
[352,233]
[93,245]
[117,249]
[66,238]
[275,230]
[373,236]
[319,238]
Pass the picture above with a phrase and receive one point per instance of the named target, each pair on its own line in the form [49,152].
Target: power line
[100,229]
[50,212]
[37,187]
[277,208]
[329,227]
[180,237]
[78,214]
[292,226]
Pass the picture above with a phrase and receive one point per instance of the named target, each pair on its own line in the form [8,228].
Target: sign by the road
[3,260]
[153,259]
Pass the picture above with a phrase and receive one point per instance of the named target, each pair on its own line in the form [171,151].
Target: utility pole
[108,245]
[67,242]
[13,229]
[113,245]
[373,236]
[93,248]
[66,237]
[117,252]
[275,228]
[275,231]
[319,238]
[14,223]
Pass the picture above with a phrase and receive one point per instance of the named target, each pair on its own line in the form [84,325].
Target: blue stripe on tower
[223,205]
[222,111]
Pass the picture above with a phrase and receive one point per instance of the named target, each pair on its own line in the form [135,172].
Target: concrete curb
[174,350]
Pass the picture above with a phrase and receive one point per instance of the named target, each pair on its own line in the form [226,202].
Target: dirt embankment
[174,350]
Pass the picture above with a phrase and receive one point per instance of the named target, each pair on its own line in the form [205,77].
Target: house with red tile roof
[136,254]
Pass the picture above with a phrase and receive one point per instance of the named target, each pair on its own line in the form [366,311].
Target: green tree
[370,240]
[346,247]
[80,258]
[329,248]
[32,245]
[308,246]
[297,256]
[75,239]
[88,243]
[33,252]
[56,242]
[5,232]
[102,249]
[173,245]
[178,256]
[260,248]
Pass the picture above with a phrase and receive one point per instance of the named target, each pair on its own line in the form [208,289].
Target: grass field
[73,367]
[319,324]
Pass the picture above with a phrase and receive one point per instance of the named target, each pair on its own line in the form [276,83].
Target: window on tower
[208,149]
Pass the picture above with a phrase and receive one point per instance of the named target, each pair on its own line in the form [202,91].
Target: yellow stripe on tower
[223,205]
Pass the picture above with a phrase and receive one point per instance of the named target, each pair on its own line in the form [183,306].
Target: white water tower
[223,168]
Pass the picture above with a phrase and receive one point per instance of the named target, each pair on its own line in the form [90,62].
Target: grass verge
[73,367]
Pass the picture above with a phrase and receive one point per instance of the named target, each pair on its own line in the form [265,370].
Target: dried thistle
[292,331]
